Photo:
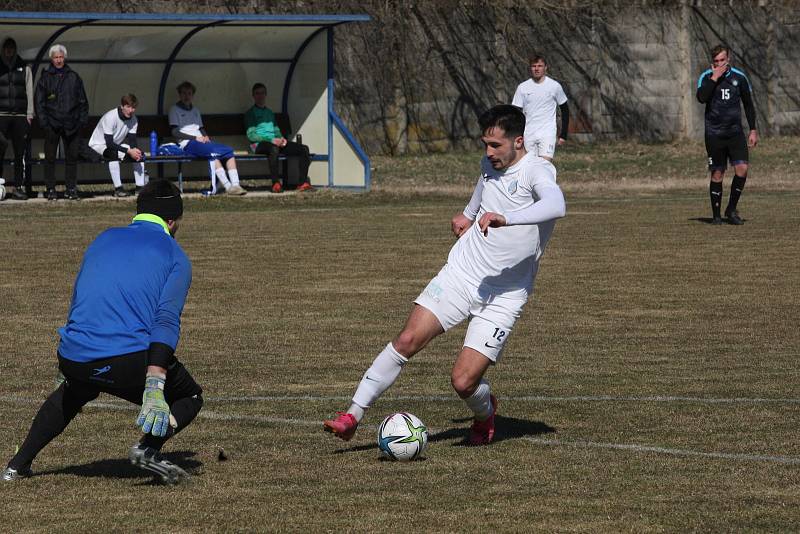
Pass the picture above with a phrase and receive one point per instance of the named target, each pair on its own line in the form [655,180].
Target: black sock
[736,191]
[715,190]
[184,411]
[53,417]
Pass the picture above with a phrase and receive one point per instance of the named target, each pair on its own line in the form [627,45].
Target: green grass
[646,326]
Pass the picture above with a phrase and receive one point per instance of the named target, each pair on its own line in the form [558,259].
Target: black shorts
[123,376]
[723,149]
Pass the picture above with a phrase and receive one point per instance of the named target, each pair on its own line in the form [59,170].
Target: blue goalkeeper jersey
[130,292]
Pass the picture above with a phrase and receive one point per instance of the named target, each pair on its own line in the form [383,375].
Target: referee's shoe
[733,217]
[150,459]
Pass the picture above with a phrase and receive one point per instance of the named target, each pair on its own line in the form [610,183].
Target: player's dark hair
[536,57]
[256,86]
[9,43]
[186,85]
[509,118]
[129,100]
[162,198]
[720,48]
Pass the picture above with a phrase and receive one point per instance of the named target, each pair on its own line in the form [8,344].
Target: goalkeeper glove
[154,417]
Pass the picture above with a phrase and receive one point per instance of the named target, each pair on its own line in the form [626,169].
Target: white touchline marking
[208,414]
[454,398]
[664,450]
[521,398]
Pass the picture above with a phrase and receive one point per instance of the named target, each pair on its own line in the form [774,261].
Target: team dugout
[223,55]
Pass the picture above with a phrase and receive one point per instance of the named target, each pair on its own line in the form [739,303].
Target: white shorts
[491,316]
[543,146]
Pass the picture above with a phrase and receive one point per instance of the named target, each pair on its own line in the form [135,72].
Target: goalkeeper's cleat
[277,187]
[343,426]
[305,186]
[150,459]
[482,432]
[10,474]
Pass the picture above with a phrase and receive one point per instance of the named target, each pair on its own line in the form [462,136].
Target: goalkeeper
[121,334]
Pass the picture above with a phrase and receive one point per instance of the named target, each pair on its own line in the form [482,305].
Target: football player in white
[489,274]
[538,97]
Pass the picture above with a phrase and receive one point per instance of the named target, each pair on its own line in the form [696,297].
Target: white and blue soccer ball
[402,436]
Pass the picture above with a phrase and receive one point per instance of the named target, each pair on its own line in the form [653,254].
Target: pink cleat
[343,426]
[482,432]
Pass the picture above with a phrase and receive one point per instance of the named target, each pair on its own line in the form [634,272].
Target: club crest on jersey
[735,83]
[512,187]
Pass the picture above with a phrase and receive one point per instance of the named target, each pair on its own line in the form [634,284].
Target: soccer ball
[402,436]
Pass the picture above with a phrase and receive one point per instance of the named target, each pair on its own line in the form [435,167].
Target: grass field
[650,386]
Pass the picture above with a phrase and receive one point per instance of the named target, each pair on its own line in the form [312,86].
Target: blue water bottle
[153,143]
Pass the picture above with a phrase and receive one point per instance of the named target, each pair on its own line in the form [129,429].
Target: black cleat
[18,194]
[716,221]
[51,194]
[733,218]
[120,193]
[72,194]
[150,459]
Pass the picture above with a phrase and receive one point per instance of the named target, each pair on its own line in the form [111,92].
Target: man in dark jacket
[62,109]
[16,110]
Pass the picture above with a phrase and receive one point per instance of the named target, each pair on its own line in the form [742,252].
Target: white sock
[384,371]
[138,174]
[220,172]
[113,168]
[234,176]
[479,402]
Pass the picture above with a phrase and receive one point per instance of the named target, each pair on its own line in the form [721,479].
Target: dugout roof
[223,55]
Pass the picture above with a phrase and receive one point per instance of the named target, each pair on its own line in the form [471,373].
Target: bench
[224,126]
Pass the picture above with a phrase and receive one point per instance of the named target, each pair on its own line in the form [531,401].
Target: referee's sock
[715,190]
[736,191]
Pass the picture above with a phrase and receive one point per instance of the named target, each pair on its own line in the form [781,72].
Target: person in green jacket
[266,138]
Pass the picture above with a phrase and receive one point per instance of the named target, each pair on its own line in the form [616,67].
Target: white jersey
[539,102]
[188,121]
[112,123]
[507,259]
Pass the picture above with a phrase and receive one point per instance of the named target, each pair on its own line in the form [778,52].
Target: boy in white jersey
[487,278]
[187,127]
[538,97]
[114,138]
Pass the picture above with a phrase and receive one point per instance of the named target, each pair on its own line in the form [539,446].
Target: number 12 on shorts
[499,336]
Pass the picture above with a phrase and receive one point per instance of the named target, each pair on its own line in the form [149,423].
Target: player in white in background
[487,279]
[538,97]
[114,138]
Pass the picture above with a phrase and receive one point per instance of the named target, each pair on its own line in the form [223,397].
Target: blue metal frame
[290,73]
[187,17]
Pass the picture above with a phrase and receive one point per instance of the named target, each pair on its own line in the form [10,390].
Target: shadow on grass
[121,468]
[505,428]
[709,220]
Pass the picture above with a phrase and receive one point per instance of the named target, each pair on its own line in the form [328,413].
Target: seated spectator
[266,138]
[16,110]
[62,110]
[114,138]
[187,129]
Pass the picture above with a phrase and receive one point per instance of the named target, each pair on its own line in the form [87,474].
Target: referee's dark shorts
[720,150]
